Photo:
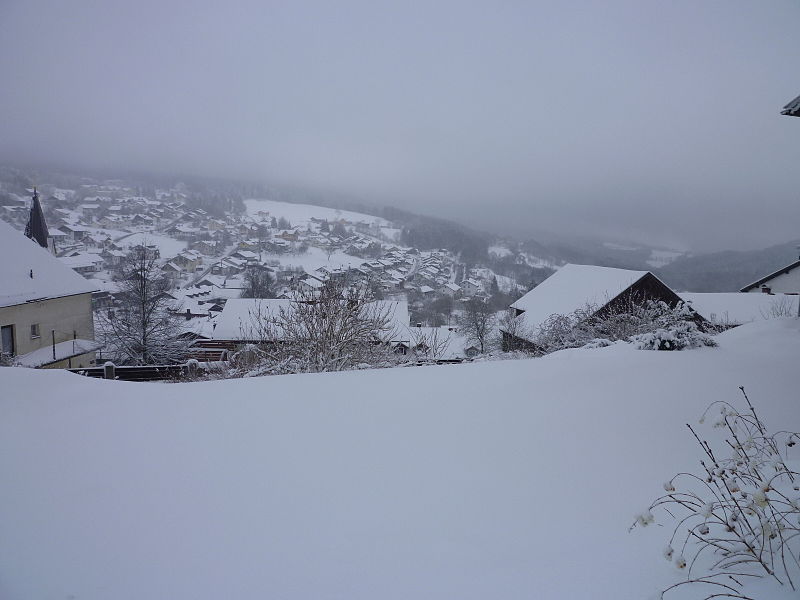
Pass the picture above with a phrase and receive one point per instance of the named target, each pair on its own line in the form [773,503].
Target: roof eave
[44,298]
[763,280]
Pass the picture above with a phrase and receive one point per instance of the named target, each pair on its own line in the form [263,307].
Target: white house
[782,281]
[470,287]
[451,289]
[45,307]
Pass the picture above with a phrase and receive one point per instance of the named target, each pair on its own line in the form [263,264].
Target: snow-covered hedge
[676,337]
[650,326]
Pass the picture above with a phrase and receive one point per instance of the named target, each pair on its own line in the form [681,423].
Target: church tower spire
[36,229]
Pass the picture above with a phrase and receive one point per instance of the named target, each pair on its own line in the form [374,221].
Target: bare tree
[257,282]
[333,328]
[141,328]
[478,322]
[514,334]
[429,343]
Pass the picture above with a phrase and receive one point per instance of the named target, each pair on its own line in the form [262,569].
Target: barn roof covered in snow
[28,272]
[573,287]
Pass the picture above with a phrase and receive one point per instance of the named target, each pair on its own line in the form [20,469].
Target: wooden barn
[574,287]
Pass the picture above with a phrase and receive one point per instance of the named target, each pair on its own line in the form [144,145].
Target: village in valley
[120,313]
[399,301]
[209,256]
[222,261]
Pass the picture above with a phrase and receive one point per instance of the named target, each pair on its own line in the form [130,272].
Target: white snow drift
[512,479]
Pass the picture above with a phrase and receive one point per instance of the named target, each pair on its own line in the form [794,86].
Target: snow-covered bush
[650,325]
[559,332]
[676,337]
[598,343]
[740,517]
[337,327]
[247,357]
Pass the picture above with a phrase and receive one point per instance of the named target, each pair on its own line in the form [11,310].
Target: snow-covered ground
[499,251]
[299,215]
[505,284]
[660,258]
[169,247]
[510,479]
[313,259]
[620,247]
[538,262]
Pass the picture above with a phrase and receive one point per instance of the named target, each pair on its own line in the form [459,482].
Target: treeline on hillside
[595,253]
[427,233]
[524,274]
[216,204]
[727,271]
[422,232]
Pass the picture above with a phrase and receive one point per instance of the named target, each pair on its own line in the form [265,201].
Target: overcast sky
[656,121]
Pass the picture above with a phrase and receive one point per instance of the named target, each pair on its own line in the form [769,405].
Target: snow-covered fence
[141,372]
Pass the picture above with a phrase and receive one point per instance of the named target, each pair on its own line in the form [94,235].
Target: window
[35,331]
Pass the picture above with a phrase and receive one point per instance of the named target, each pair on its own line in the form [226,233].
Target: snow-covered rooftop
[51,278]
[62,351]
[237,319]
[573,287]
[738,307]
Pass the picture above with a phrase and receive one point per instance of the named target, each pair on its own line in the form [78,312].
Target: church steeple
[36,229]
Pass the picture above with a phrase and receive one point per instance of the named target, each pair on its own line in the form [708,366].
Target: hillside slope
[513,479]
[726,271]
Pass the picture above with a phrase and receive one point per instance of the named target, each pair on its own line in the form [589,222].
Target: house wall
[64,315]
[785,283]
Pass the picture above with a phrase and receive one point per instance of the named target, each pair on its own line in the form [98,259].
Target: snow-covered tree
[478,322]
[141,328]
[429,343]
[333,328]
[257,283]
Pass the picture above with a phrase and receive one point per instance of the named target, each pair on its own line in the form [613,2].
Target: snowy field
[313,259]
[499,251]
[169,247]
[510,479]
[300,214]
[661,258]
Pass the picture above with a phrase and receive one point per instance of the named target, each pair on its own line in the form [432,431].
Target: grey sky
[657,121]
